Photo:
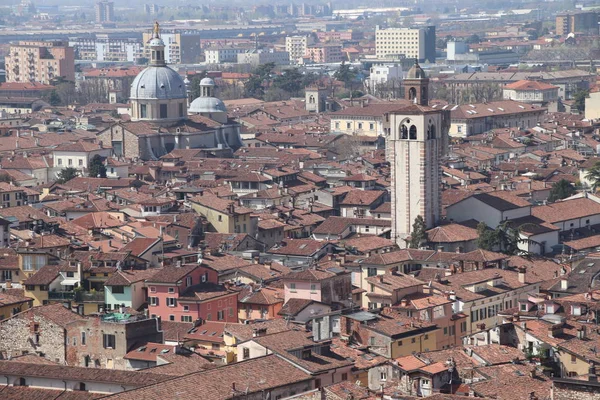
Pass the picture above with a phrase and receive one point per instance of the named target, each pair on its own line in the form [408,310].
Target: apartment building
[580,22]
[325,53]
[105,11]
[296,46]
[416,43]
[105,47]
[181,47]
[37,61]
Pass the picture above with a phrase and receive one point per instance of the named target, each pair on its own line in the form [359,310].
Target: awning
[70,282]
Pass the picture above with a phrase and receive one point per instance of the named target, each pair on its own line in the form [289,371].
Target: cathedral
[418,139]
[160,118]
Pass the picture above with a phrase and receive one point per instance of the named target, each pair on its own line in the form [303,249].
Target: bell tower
[416,85]
[418,139]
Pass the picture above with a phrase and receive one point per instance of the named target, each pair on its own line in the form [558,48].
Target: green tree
[97,169]
[486,239]
[290,81]
[579,99]
[54,98]
[474,38]
[593,175]
[254,87]
[66,174]
[418,236]
[561,190]
[345,74]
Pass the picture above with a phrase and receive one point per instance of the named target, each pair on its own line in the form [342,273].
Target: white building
[103,47]
[296,46]
[418,139]
[78,155]
[258,57]
[382,76]
[532,92]
[220,55]
[416,43]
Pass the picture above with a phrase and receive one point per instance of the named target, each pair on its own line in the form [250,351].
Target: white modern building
[416,43]
[296,46]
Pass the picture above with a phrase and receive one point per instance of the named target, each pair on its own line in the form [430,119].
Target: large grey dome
[158,82]
[207,105]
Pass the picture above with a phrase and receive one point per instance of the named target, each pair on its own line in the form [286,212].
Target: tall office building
[416,43]
[105,11]
[580,22]
[36,61]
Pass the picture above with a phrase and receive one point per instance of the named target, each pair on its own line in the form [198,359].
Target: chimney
[8,284]
[256,260]
[522,274]
[564,284]
[581,334]
[380,278]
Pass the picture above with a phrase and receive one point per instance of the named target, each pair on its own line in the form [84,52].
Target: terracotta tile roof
[98,220]
[148,351]
[174,331]
[209,331]
[396,257]
[365,244]
[171,274]
[204,291]
[298,247]
[512,381]
[294,306]
[56,313]
[224,262]
[260,375]
[480,255]
[113,376]
[362,197]
[45,275]
[139,245]
[282,343]
[566,210]
[229,207]
[337,225]
[390,282]
[127,277]
[494,354]
[529,85]
[452,233]
[244,332]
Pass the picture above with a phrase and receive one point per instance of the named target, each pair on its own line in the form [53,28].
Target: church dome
[204,105]
[416,72]
[158,83]
[207,82]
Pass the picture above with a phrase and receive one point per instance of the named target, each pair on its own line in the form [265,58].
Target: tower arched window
[403,132]
[431,132]
[311,99]
[412,93]
[412,134]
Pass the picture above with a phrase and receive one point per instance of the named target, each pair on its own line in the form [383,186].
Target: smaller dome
[156,42]
[207,82]
[204,105]
[416,72]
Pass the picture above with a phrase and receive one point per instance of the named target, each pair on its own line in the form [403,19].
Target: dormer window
[550,309]
[306,354]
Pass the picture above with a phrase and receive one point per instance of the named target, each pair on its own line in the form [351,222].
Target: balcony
[61,295]
[89,297]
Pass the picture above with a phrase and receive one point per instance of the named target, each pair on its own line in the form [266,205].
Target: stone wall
[28,333]
[576,390]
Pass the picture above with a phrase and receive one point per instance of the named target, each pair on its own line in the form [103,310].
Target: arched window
[81,387]
[431,132]
[21,382]
[404,132]
[423,92]
[412,93]
[311,99]
[413,132]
